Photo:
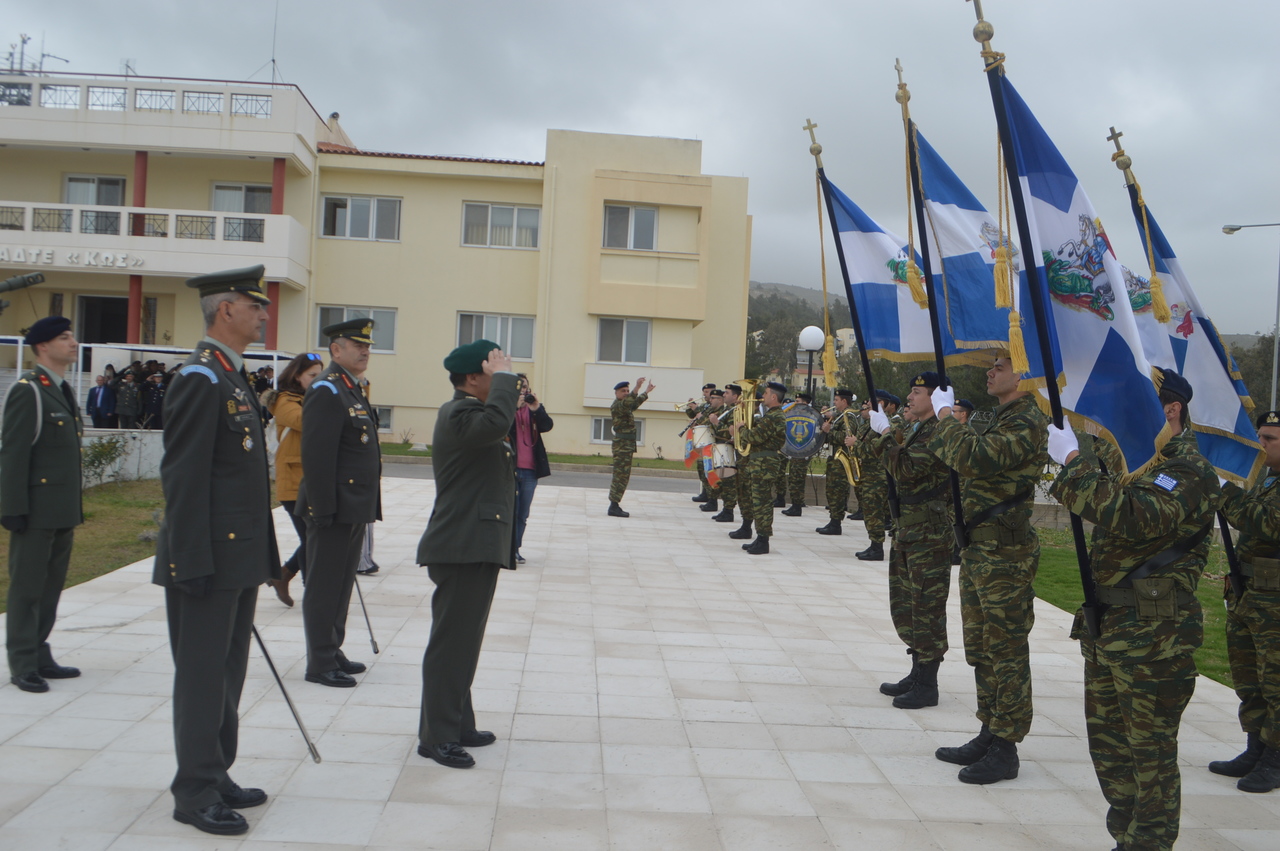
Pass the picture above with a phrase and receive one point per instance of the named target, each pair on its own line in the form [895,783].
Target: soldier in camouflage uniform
[872,486]
[839,439]
[746,503]
[715,405]
[697,414]
[764,438]
[999,463]
[1139,673]
[1253,620]
[920,560]
[720,423]
[623,411]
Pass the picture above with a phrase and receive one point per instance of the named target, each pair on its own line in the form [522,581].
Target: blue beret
[1270,418]
[1175,384]
[780,389]
[927,379]
[844,393]
[44,330]
[469,359]
[622,385]
[964,403]
[886,396]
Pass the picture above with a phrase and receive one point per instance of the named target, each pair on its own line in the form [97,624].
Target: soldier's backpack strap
[1164,558]
[997,509]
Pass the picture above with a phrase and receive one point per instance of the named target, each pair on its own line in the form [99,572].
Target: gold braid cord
[830,366]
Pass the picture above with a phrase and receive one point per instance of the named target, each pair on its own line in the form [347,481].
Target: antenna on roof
[275,25]
[128,67]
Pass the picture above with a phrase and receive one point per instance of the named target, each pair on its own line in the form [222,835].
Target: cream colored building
[614,258]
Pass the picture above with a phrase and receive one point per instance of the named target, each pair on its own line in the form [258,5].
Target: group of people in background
[131,398]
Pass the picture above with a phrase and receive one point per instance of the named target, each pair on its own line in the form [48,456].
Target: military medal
[364,437]
[248,443]
[231,406]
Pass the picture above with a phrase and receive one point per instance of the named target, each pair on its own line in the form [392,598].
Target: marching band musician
[720,430]
[697,414]
[840,438]
[715,404]
[765,436]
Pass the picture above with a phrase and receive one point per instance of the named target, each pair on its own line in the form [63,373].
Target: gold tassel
[916,283]
[1158,305]
[830,366]
[1017,348]
[1004,285]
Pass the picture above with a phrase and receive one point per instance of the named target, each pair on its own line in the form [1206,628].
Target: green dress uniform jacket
[39,479]
[341,457]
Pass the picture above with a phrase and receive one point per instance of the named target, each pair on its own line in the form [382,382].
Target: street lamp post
[812,339]
[1275,353]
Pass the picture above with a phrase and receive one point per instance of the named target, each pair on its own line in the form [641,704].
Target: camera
[529,398]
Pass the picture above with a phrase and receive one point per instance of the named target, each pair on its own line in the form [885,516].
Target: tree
[1255,364]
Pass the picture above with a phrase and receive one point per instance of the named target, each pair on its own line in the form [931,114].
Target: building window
[513,334]
[383,413]
[94,189]
[496,226]
[241,198]
[384,325]
[630,227]
[602,430]
[362,218]
[623,341]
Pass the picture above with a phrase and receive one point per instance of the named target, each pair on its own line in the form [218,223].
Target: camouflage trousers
[1132,714]
[764,472]
[702,477]
[837,489]
[726,491]
[996,604]
[1253,649]
[873,499]
[919,585]
[797,472]
[744,489]
[622,452]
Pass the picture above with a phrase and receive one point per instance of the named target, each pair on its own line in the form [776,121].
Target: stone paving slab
[652,687]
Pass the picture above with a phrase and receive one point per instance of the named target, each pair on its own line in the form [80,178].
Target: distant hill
[811,297]
[1243,341]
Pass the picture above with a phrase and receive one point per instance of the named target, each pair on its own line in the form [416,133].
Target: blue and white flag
[1189,343]
[893,325]
[1106,377]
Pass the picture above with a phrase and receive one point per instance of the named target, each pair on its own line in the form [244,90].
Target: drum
[804,432]
[724,459]
[702,436]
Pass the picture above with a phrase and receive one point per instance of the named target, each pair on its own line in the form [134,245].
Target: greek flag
[1105,375]
[1189,343]
[894,326]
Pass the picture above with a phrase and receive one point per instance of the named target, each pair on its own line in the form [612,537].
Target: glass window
[93,189]
[609,349]
[521,345]
[513,334]
[335,217]
[361,218]
[645,220]
[637,341]
[617,224]
[387,220]
[499,226]
[602,430]
[257,199]
[527,228]
[358,223]
[384,328]
[630,227]
[623,341]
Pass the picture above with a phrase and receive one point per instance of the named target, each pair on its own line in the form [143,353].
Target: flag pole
[903,95]
[982,33]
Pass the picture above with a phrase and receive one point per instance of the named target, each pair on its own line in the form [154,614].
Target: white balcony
[151,241]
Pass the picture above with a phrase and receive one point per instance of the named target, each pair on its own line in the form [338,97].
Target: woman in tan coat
[286,408]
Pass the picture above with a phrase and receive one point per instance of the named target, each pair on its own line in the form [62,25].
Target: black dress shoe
[448,754]
[239,798]
[478,739]
[334,678]
[58,672]
[216,818]
[30,681]
[346,666]
[370,570]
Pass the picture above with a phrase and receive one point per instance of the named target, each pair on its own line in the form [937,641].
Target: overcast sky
[1193,86]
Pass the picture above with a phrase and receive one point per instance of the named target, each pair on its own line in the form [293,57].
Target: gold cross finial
[1120,158]
[1115,137]
[897,66]
[814,147]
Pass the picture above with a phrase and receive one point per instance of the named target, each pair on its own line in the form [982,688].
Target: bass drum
[804,432]
[702,436]
[724,459]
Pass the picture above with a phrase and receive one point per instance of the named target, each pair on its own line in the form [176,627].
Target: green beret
[469,359]
[247,281]
[359,330]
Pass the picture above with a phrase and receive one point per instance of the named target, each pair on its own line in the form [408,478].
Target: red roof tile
[330,148]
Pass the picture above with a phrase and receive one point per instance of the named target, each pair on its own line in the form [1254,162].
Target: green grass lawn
[1058,583]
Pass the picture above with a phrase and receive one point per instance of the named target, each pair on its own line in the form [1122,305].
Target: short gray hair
[209,306]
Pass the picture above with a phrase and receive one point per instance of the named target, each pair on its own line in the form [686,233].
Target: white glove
[879,422]
[1062,442]
[1222,483]
[943,397]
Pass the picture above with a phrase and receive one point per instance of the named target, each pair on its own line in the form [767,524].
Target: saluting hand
[497,361]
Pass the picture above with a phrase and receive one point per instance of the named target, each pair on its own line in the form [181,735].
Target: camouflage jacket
[923,482]
[767,433]
[720,431]
[1255,513]
[624,415]
[868,458]
[997,459]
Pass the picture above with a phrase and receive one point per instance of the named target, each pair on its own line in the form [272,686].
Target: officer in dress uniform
[340,494]
[217,544]
[40,500]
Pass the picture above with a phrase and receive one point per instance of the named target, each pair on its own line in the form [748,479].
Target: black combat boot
[711,505]
[970,752]
[832,528]
[794,511]
[725,515]
[925,691]
[759,546]
[1244,763]
[903,685]
[615,510]
[1265,775]
[701,497]
[855,515]
[875,552]
[779,501]
[1000,763]
[743,532]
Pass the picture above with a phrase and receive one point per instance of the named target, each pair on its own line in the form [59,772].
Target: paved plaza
[651,685]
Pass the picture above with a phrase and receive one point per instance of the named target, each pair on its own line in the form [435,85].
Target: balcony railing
[108,221]
[189,96]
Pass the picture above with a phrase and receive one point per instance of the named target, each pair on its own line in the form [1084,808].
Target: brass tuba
[744,412]
[846,458]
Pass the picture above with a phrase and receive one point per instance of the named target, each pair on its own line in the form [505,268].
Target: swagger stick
[360,594]
[315,754]
[982,33]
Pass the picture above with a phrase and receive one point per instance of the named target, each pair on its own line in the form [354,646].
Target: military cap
[622,385]
[46,329]
[927,379]
[717,392]
[886,396]
[780,389]
[964,403]
[469,359]
[1175,384]
[247,281]
[1270,418]
[708,387]
[360,330]
[805,397]
[734,387]
[844,393]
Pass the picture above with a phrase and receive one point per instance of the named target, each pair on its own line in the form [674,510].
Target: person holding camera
[531,422]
